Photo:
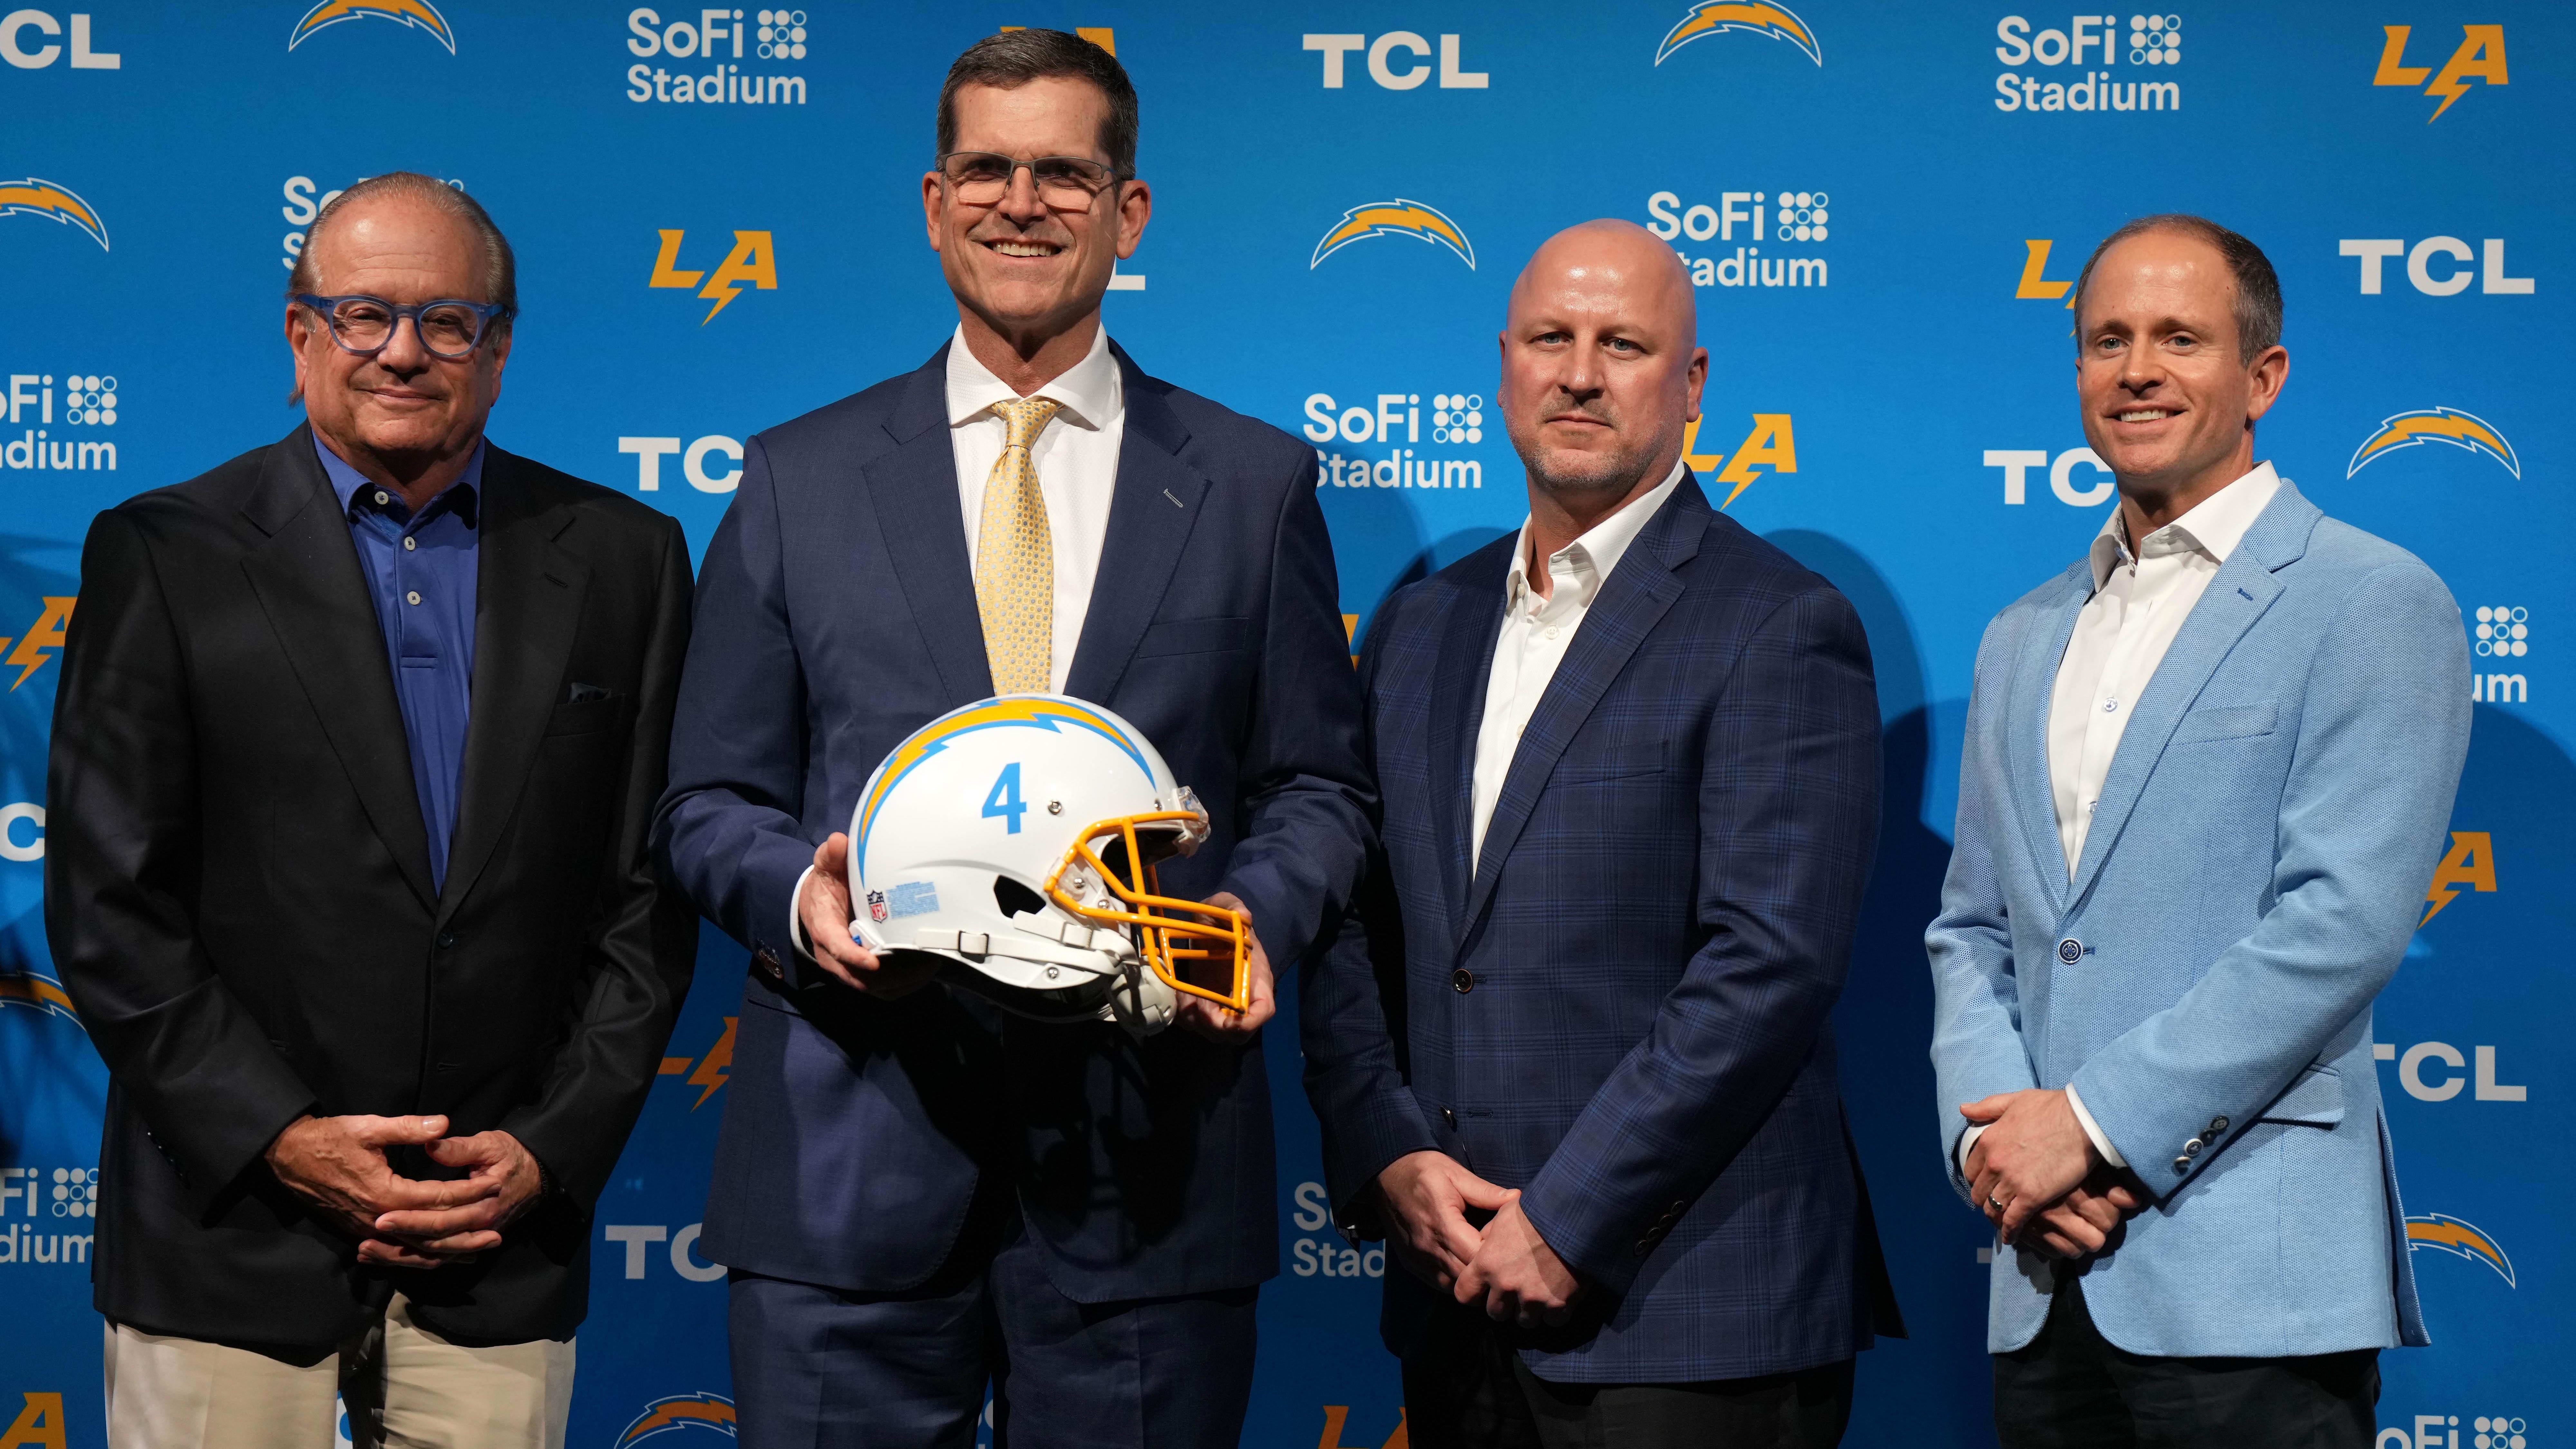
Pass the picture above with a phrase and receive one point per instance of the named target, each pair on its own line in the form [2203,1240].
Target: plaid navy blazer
[1623,1011]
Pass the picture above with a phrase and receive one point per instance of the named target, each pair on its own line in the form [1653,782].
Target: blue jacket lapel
[915,492]
[1633,600]
[2237,596]
[2034,684]
[1150,517]
[1464,664]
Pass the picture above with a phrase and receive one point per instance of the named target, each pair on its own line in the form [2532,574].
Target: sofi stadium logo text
[1390,418]
[1798,218]
[2153,45]
[60,439]
[718,42]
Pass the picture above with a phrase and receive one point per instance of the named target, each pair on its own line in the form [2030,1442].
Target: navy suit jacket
[836,615]
[1623,1009]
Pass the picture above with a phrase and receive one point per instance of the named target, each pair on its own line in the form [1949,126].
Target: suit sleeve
[1306,823]
[1788,816]
[1977,1048]
[1349,1004]
[2382,736]
[641,953]
[728,833]
[121,864]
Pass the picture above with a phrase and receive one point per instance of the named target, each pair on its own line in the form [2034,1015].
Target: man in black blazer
[916,1197]
[353,760]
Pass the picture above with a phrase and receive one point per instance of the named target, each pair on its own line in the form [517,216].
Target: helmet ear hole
[1015,898]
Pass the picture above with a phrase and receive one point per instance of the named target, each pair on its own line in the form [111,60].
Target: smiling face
[404,405]
[1027,271]
[2168,402]
[1599,372]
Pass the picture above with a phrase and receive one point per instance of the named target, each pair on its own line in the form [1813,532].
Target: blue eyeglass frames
[448,328]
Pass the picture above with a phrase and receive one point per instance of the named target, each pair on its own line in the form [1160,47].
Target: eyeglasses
[448,328]
[981,178]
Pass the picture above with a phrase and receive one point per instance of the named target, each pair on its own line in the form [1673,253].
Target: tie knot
[1024,418]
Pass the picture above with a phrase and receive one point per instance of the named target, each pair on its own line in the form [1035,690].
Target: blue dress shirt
[420,570]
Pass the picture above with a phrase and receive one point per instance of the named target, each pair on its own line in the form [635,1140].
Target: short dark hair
[1014,58]
[500,265]
[2258,287]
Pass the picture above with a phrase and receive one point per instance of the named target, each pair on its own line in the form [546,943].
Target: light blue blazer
[2255,868]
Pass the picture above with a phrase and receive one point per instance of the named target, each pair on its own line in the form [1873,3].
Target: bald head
[1601,367]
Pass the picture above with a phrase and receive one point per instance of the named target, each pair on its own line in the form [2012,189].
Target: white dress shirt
[2140,599]
[1076,456]
[1535,633]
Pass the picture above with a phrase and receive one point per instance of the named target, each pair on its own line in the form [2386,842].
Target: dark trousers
[819,1368]
[1468,1389]
[2070,1388]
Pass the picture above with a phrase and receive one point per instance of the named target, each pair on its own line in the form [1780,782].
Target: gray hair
[500,266]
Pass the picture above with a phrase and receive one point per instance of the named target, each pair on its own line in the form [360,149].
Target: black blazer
[237,889]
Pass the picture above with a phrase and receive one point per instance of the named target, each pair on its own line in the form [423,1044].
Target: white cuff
[2093,1129]
[797,941]
[1967,1140]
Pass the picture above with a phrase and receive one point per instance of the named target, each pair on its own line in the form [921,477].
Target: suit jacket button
[2192,1148]
[2070,950]
[2182,1164]
[2217,1125]
[1462,980]
[1449,1117]
[447,940]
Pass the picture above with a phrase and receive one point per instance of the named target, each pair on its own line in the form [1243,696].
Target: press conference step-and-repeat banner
[718,221]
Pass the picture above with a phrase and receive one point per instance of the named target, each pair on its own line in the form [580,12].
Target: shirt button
[1551,633]
[382,497]
[412,597]
[2110,705]
[410,542]
[1462,980]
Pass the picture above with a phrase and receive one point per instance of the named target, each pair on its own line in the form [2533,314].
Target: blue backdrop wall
[1883,205]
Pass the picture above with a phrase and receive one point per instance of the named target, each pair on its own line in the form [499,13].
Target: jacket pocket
[1195,636]
[2234,722]
[1616,763]
[581,719]
[2314,1100]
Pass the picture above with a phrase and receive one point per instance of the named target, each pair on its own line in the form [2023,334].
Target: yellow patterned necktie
[1015,557]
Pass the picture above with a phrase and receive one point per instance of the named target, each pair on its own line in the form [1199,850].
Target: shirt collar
[1091,390]
[1597,553]
[459,497]
[2214,527]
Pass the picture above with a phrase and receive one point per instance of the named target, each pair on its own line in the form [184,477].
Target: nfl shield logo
[877,907]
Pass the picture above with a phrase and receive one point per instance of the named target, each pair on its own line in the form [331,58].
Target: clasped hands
[1506,1268]
[2039,1179]
[824,907]
[338,1164]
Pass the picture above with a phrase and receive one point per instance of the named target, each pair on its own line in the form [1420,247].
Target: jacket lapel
[2238,594]
[1458,684]
[1150,517]
[1633,600]
[310,586]
[527,610]
[914,490]
[2034,684]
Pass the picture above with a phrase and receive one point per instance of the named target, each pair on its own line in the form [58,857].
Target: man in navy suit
[1573,1056]
[918,1198]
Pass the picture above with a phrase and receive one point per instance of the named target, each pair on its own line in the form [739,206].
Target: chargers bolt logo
[1395,218]
[678,1412]
[418,14]
[44,198]
[42,994]
[1775,21]
[2444,1233]
[2435,425]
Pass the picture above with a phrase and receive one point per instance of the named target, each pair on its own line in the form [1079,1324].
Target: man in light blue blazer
[2207,773]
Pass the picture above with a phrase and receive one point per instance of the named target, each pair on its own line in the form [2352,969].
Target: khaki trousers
[406,1388]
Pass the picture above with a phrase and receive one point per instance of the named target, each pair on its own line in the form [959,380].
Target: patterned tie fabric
[1015,557]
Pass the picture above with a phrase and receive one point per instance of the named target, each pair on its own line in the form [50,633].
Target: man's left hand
[2032,1153]
[1216,1023]
[507,1171]
[1516,1277]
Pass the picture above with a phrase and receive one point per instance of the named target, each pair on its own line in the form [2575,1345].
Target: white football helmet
[1017,838]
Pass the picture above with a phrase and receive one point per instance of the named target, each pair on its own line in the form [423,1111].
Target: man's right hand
[2080,1224]
[824,907]
[338,1164]
[1426,1195]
